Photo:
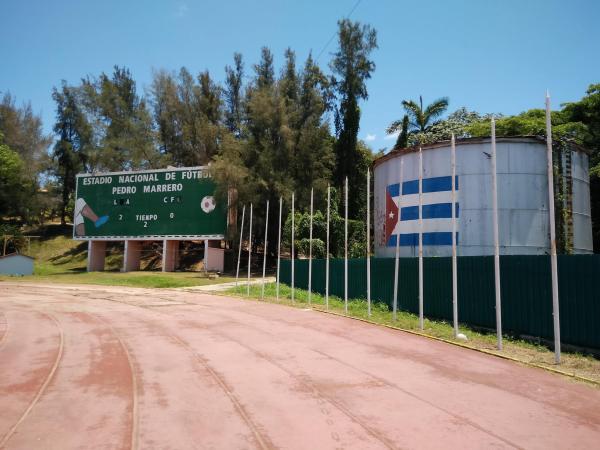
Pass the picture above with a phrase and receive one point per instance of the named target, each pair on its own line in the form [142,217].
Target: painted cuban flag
[437,212]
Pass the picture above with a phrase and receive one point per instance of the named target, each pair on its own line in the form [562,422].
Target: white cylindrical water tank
[522,199]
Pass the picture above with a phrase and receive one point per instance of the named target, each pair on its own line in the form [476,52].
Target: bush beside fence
[526,290]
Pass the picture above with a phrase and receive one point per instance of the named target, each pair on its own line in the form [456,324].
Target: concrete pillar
[214,256]
[96,255]
[176,255]
[170,255]
[132,256]
[205,254]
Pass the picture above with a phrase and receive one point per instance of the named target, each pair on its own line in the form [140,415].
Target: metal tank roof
[471,140]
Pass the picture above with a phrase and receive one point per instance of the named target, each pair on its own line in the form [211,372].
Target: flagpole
[327,251]
[279,246]
[249,252]
[237,272]
[310,234]
[368,242]
[454,262]
[496,239]
[292,246]
[397,265]
[262,294]
[346,252]
[553,260]
[421,238]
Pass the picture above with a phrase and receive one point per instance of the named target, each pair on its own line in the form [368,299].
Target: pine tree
[233,95]
[123,123]
[314,157]
[209,118]
[164,104]
[352,68]
[69,151]
[289,80]
[189,115]
[265,73]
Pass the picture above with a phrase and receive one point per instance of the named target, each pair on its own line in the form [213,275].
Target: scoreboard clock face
[169,203]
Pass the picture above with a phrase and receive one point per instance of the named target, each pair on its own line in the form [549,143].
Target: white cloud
[392,136]
[370,137]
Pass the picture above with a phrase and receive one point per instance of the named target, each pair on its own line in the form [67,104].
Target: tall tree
[313,148]
[352,67]
[210,109]
[265,73]
[165,104]
[233,95]
[286,146]
[209,98]
[123,123]
[189,115]
[269,148]
[23,133]
[74,139]
[289,84]
[14,183]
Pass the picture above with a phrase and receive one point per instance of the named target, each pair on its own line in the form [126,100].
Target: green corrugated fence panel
[579,299]
[476,298]
[526,295]
[525,287]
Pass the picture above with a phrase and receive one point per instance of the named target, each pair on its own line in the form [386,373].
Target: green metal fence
[526,290]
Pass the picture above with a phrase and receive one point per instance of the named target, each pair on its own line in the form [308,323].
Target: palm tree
[419,119]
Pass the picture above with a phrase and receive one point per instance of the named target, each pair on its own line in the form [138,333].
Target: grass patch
[60,259]
[132,279]
[572,363]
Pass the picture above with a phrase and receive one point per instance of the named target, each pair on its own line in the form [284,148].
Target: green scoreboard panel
[168,203]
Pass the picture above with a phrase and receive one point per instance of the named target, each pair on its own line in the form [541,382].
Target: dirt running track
[111,367]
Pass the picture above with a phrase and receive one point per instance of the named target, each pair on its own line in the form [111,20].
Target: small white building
[16,264]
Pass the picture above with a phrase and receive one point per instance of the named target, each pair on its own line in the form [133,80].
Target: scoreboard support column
[214,255]
[206,255]
[133,252]
[96,256]
[170,255]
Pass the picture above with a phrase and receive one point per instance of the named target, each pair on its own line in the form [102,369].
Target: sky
[489,56]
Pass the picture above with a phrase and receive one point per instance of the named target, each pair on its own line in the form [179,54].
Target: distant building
[16,264]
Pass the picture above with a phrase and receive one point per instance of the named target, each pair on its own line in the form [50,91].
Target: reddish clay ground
[112,367]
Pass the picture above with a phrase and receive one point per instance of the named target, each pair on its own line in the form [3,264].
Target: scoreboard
[166,203]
